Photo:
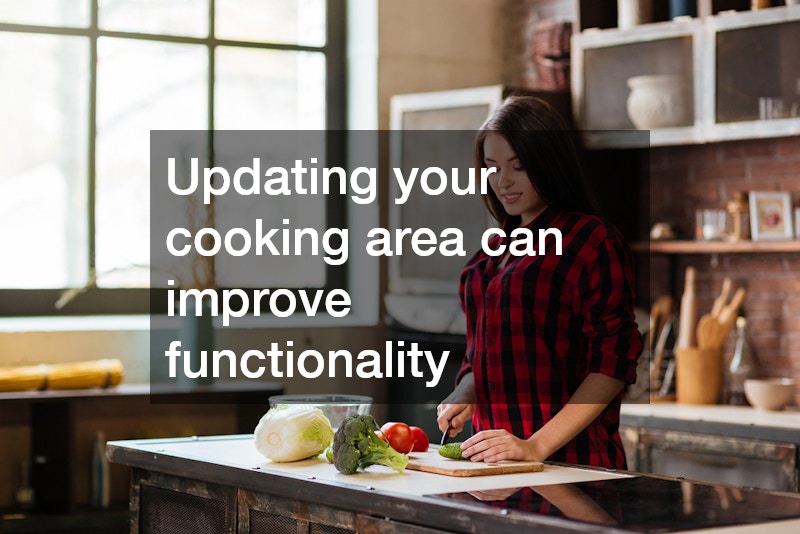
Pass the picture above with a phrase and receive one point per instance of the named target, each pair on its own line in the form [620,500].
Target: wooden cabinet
[728,68]
[162,502]
[56,424]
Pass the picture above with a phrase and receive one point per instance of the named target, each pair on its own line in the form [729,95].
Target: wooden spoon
[728,316]
[710,333]
[729,312]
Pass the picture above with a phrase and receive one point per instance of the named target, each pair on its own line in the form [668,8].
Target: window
[84,82]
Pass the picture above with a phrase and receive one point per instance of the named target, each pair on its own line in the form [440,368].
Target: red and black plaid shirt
[539,325]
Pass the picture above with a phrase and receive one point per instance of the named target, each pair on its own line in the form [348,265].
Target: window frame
[93,300]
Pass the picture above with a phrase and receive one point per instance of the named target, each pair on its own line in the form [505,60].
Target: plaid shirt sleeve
[539,325]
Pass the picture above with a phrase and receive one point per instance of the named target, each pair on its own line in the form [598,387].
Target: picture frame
[797,223]
[770,215]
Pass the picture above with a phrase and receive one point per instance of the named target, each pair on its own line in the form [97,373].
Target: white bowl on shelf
[772,394]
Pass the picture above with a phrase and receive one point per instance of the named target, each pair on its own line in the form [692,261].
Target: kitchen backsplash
[685,178]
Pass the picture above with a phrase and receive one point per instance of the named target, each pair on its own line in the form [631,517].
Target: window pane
[237,149]
[269,90]
[46,12]
[175,17]
[141,86]
[43,185]
[276,21]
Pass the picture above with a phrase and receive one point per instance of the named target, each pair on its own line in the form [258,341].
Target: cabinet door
[754,74]
[639,87]
[260,513]
[163,504]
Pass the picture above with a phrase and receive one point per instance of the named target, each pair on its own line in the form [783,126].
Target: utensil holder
[698,375]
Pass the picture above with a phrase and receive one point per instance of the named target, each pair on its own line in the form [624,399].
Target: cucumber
[452,451]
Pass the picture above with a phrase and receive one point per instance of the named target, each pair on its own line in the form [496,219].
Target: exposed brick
[774,286]
[770,167]
[765,323]
[767,341]
[732,186]
[791,304]
[748,265]
[791,184]
[729,170]
[764,183]
[789,146]
[793,263]
[710,175]
[705,193]
[757,304]
[747,149]
[791,324]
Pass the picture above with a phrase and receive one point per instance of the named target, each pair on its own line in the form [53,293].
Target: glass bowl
[336,407]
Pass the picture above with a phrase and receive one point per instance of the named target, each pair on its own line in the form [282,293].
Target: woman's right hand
[458,407]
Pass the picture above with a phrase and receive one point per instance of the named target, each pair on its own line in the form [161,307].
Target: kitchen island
[221,484]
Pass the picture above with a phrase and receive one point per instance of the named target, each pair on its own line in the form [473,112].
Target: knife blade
[446,434]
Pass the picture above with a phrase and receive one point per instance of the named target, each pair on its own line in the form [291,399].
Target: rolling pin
[688,318]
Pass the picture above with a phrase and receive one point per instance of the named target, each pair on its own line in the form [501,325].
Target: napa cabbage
[291,432]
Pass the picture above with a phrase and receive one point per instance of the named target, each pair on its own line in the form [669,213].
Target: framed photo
[770,215]
[797,223]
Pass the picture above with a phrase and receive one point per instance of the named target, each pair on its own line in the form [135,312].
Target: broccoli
[356,445]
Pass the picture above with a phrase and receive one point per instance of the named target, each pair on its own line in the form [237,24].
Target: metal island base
[220,484]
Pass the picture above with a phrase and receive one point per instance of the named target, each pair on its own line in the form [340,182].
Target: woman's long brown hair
[546,150]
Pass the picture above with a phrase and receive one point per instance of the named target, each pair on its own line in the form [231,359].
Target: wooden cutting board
[432,462]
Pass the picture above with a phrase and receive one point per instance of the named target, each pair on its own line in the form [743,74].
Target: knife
[446,434]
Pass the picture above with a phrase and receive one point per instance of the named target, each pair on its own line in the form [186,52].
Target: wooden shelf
[715,247]
[217,393]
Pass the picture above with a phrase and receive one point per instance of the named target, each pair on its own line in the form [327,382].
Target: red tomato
[421,441]
[399,436]
[381,435]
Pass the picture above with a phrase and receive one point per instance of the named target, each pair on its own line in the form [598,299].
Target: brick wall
[685,178]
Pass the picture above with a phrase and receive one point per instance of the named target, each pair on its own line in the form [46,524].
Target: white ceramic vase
[658,101]
[631,13]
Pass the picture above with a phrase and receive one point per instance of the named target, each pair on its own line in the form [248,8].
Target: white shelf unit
[603,60]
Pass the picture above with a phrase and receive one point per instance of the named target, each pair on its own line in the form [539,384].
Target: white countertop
[221,449]
[717,413]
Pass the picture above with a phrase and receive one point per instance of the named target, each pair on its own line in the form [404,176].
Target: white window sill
[76,323]
[105,323]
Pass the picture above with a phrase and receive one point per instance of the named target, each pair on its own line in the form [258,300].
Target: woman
[551,339]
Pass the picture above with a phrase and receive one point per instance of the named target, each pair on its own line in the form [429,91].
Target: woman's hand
[458,407]
[497,445]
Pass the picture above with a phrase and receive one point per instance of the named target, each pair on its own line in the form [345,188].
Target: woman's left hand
[496,445]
